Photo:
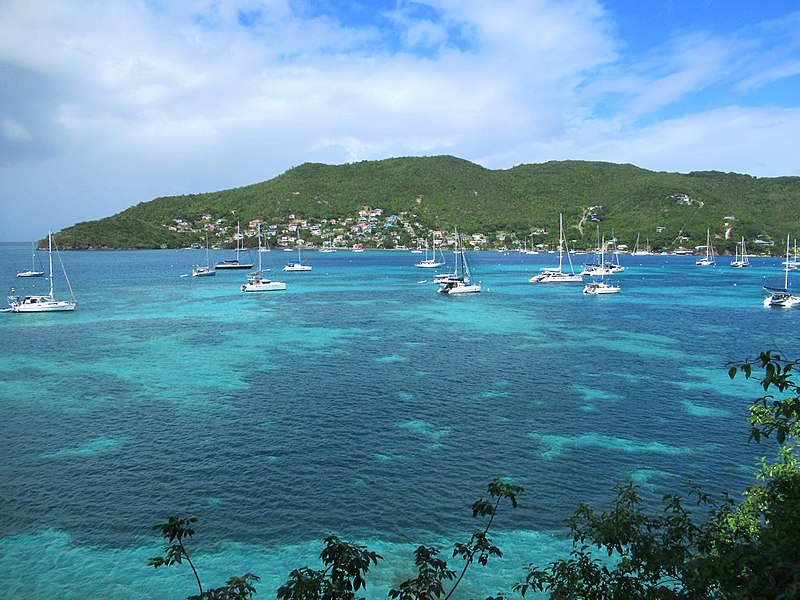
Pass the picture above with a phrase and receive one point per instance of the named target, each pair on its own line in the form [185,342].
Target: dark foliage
[444,192]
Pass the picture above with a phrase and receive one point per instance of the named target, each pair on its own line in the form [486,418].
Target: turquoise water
[358,402]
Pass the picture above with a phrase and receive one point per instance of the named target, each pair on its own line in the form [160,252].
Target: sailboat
[327,247]
[551,275]
[780,297]
[208,270]
[599,267]
[740,259]
[46,303]
[599,286]
[460,281]
[430,263]
[34,272]
[256,282]
[297,265]
[708,260]
[614,263]
[235,263]
[794,262]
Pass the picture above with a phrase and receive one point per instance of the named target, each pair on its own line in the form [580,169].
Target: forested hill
[444,192]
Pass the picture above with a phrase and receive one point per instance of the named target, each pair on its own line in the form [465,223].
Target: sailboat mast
[298,243]
[238,241]
[560,240]
[259,247]
[603,258]
[786,276]
[50,253]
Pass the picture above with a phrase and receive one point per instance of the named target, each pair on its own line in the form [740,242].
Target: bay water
[358,402]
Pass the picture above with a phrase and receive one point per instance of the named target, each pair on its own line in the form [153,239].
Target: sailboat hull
[460,288]
[233,265]
[598,288]
[428,264]
[556,277]
[38,304]
[297,267]
[777,300]
[263,286]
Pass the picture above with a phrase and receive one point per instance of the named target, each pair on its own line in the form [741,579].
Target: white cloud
[115,103]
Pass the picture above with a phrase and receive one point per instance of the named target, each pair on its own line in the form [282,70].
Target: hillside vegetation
[506,206]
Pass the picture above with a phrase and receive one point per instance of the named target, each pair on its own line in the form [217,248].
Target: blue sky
[107,104]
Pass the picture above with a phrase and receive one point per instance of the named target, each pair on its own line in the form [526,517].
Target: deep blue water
[357,402]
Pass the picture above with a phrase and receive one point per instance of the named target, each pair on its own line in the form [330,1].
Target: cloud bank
[106,104]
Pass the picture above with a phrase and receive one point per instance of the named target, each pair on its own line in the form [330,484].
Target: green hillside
[444,192]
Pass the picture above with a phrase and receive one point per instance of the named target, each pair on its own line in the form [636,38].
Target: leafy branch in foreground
[743,550]
[346,565]
[480,545]
[769,415]
[174,531]
[433,571]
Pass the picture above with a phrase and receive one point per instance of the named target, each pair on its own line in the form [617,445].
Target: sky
[108,103]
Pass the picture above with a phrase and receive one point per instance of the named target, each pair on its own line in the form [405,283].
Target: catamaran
[46,303]
[600,267]
[781,297]
[256,282]
[794,262]
[708,259]
[430,263]
[740,259]
[557,275]
[460,281]
[297,265]
[600,286]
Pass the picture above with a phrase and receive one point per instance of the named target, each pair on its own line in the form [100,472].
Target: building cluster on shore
[375,228]
[371,228]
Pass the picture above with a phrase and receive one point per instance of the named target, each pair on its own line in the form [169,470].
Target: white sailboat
[208,270]
[256,282]
[33,272]
[235,263]
[708,260]
[599,268]
[614,263]
[740,259]
[639,251]
[46,303]
[794,262]
[430,263]
[297,265]
[600,287]
[460,281]
[781,297]
[551,275]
